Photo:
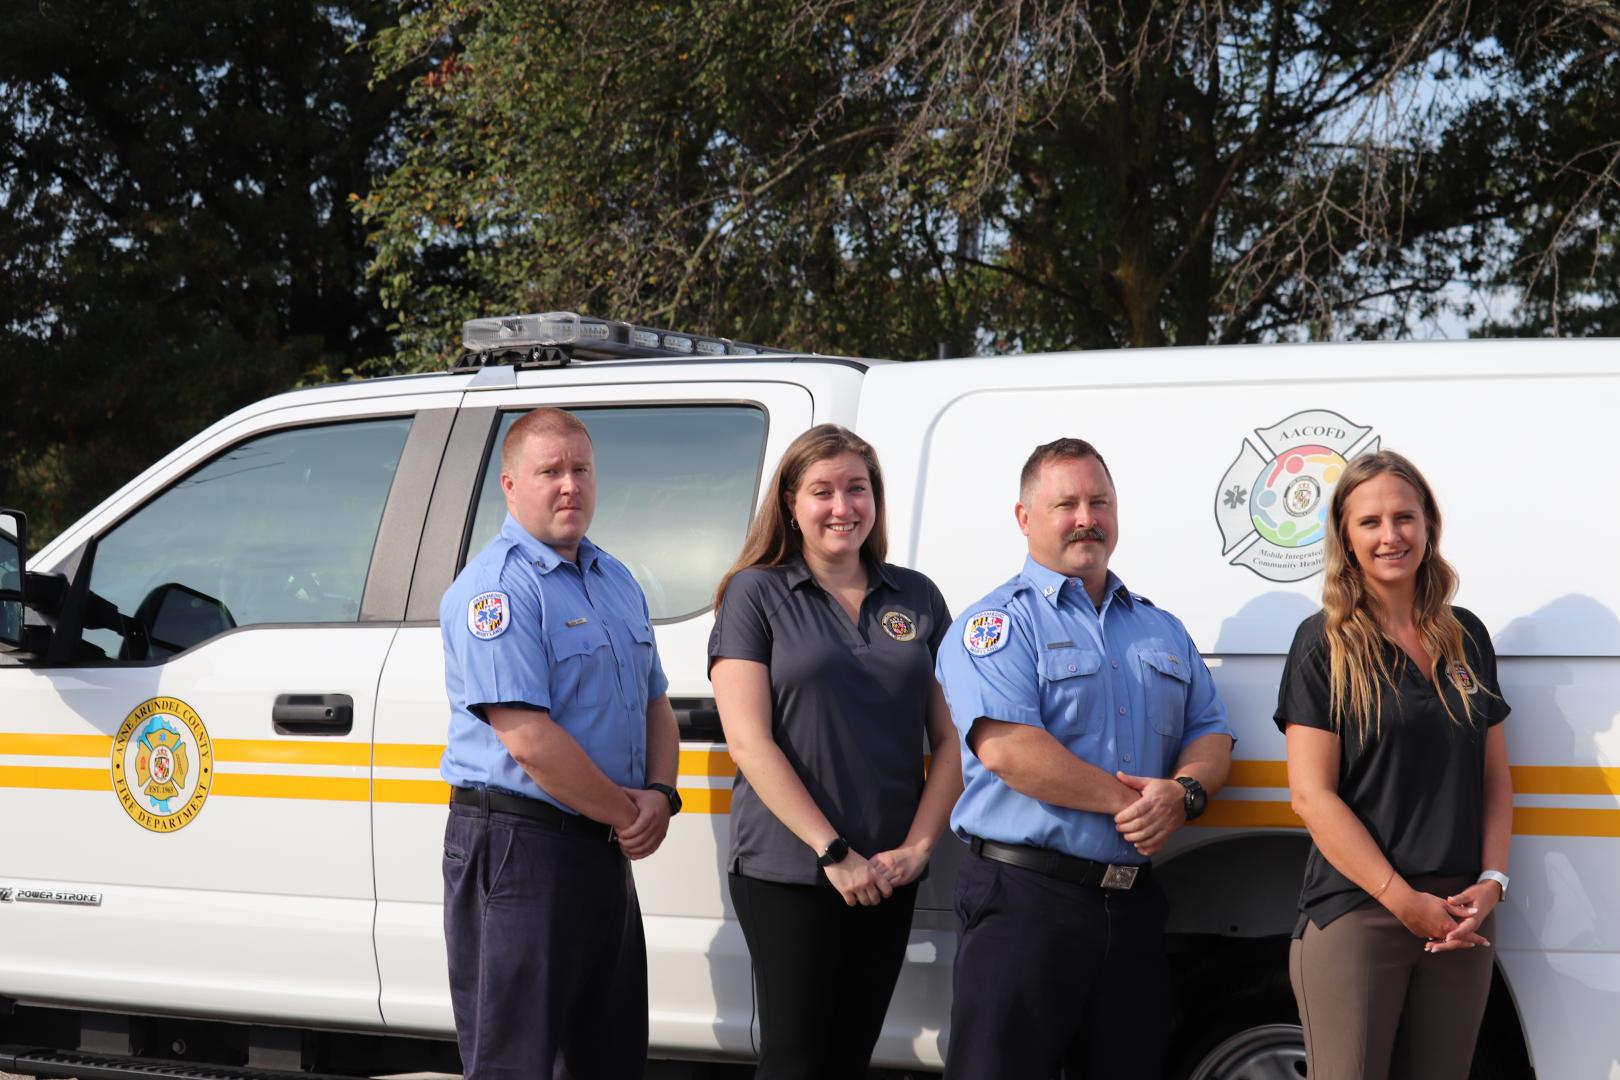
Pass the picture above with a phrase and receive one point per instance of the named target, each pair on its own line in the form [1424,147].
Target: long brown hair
[1357,669]
[770,540]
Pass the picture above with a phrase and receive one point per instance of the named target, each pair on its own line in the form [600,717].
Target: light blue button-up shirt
[523,627]
[1122,688]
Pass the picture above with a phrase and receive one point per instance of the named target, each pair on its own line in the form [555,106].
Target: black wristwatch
[669,793]
[834,854]
[1194,800]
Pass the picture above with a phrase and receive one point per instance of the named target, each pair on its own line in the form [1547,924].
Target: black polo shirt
[849,706]
[1419,785]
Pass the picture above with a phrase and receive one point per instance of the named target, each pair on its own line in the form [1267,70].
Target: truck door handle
[313,714]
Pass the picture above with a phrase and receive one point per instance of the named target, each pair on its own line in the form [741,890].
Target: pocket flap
[1068,663]
[1171,664]
[577,640]
[642,632]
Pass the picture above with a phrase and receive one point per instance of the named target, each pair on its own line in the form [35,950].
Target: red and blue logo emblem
[488,615]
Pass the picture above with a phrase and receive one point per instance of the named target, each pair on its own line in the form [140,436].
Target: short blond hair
[542,421]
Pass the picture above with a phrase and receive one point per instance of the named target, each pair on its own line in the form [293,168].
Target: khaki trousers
[1375,1006]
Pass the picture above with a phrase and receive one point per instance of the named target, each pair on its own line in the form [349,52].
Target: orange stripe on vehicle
[290,752]
[260,786]
[418,792]
[705,800]
[707,763]
[1563,821]
[1249,813]
[1261,774]
[44,776]
[56,745]
[1565,780]
[408,755]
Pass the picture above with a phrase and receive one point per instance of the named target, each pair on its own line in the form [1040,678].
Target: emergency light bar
[555,338]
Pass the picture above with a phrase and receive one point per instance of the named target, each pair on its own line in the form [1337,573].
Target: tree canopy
[175,231]
[899,177]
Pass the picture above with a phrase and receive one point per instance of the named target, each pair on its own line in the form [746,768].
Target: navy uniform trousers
[1054,975]
[556,913]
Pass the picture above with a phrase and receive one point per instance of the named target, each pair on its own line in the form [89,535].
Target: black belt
[1063,867]
[495,802]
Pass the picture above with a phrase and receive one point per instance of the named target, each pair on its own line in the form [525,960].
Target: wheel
[1263,1052]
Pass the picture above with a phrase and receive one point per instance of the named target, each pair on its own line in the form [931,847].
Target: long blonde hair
[771,541]
[1357,669]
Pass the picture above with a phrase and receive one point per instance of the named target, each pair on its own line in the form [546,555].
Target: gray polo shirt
[849,706]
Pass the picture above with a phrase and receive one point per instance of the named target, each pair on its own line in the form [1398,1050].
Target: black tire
[1237,1019]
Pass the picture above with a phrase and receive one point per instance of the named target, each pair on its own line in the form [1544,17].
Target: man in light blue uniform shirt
[1090,731]
[561,759]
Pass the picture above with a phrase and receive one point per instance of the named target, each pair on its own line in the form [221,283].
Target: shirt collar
[797,573]
[1048,583]
[543,555]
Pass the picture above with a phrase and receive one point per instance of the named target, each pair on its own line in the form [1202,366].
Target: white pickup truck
[220,726]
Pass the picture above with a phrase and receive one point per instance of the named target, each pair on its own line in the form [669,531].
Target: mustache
[1091,532]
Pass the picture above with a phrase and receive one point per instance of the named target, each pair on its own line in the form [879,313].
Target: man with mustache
[1090,731]
[561,760]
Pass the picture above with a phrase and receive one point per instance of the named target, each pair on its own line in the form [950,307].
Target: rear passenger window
[675,487]
[278,529]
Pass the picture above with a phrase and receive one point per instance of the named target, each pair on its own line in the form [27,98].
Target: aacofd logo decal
[162,764]
[1272,505]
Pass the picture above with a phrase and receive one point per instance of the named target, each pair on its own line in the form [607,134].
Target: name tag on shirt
[577,622]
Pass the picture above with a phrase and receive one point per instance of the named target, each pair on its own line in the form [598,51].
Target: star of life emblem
[1272,504]
[985,632]
[488,615]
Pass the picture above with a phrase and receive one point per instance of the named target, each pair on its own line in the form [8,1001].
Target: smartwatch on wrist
[1194,800]
[1497,876]
[834,854]
[669,793]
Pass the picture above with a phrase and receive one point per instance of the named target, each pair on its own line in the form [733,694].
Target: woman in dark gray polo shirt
[822,660]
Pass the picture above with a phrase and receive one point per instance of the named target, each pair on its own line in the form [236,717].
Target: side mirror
[13,549]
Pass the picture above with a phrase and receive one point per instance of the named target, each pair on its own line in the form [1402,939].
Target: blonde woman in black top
[1397,763]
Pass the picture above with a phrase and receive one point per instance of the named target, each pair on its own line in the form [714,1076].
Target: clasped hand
[1447,924]
[871,881]
[1159,810]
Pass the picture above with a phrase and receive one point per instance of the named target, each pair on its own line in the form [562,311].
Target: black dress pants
[548,963]
[1053,976]
[823,974]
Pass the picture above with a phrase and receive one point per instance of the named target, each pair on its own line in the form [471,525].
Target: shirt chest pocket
[641,667]
[584,674]
[1072,693]
[1165,678]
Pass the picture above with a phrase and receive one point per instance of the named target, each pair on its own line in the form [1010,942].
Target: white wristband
[1497,876]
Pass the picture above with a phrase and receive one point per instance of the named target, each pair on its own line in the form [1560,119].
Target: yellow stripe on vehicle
[55,779]
[705,800]
[56,745]
[291,752]
[408,755]
[707,763]
[1260,774]
[418,792]
[1249,814]
[265,786]
[1564,821]
[1565,780]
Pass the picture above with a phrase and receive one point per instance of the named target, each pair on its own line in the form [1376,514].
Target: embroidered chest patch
[899,625]
[1465,679]
[985,632]
[488,615]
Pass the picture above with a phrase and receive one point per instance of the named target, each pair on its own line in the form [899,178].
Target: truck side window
[277,529]
[675,488]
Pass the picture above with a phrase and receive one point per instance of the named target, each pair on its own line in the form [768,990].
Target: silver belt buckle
[1119,877]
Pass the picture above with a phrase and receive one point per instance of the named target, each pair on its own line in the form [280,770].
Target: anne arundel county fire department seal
[162,764]
[1272,505]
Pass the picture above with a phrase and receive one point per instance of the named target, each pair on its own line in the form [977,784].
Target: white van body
[302,891]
